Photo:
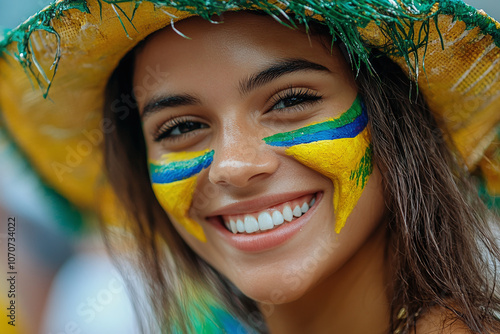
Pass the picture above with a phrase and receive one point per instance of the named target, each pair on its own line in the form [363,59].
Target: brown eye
[295,99]
[178,128]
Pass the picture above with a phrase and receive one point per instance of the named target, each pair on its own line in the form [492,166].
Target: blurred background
[65,282]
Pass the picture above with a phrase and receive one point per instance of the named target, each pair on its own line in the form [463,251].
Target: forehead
[224,54]
[232,28]
[241,37]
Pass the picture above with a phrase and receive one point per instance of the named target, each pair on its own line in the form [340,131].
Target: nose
[241,158]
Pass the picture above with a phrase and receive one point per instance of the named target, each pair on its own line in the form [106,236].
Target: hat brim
[458,62]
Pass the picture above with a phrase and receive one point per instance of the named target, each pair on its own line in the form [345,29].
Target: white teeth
[304,208]
[233,226]
[277,218]
[265,221]
[251,224]
[287,213]
[240,226]
[297,212]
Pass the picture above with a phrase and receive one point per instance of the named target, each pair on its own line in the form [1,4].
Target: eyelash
[303,98]
[164,131]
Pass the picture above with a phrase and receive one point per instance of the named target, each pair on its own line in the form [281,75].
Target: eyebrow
[171,101]
[273,72]
[282,67]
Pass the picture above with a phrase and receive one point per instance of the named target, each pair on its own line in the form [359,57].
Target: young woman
[278,180]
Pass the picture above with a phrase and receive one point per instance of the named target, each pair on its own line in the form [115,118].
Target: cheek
[174,178]
[176,198]
[347,162]
[339,149]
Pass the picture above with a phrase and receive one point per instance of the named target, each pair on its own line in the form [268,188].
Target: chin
[282,282]
[284,289]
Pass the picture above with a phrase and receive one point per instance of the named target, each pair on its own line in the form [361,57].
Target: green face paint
[338,148]
[174,179]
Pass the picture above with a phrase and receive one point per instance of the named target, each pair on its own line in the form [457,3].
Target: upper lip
[258,204]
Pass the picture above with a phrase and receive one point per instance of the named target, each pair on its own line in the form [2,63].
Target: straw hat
[55,66]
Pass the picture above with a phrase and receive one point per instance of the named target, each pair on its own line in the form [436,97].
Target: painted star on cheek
[174,179]
[338,148]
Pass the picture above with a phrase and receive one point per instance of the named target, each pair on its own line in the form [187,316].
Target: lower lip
[263,241]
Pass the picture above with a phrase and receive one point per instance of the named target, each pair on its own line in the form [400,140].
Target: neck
[352,300]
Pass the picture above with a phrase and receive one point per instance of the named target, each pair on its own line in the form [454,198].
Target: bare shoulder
[440,321]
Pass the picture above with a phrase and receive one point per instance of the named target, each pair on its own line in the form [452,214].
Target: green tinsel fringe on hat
[395,18]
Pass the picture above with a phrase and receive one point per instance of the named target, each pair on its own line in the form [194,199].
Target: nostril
[258,176]
[234,166]
[217,175]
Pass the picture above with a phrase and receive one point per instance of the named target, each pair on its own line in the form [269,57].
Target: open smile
[269,218]
[260,230]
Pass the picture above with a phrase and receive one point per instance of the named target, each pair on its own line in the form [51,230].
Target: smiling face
[263,214]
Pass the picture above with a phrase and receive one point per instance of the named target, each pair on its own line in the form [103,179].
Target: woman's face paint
[338,148]
[174,179]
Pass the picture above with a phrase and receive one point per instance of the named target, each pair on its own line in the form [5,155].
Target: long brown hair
[441,245]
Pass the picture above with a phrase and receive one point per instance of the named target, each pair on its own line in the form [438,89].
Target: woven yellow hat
[55,66]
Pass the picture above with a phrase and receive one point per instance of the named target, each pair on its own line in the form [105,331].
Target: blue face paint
[174,179]
[338,148]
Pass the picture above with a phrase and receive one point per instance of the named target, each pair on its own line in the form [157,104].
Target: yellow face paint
[174,179]
[339,148]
